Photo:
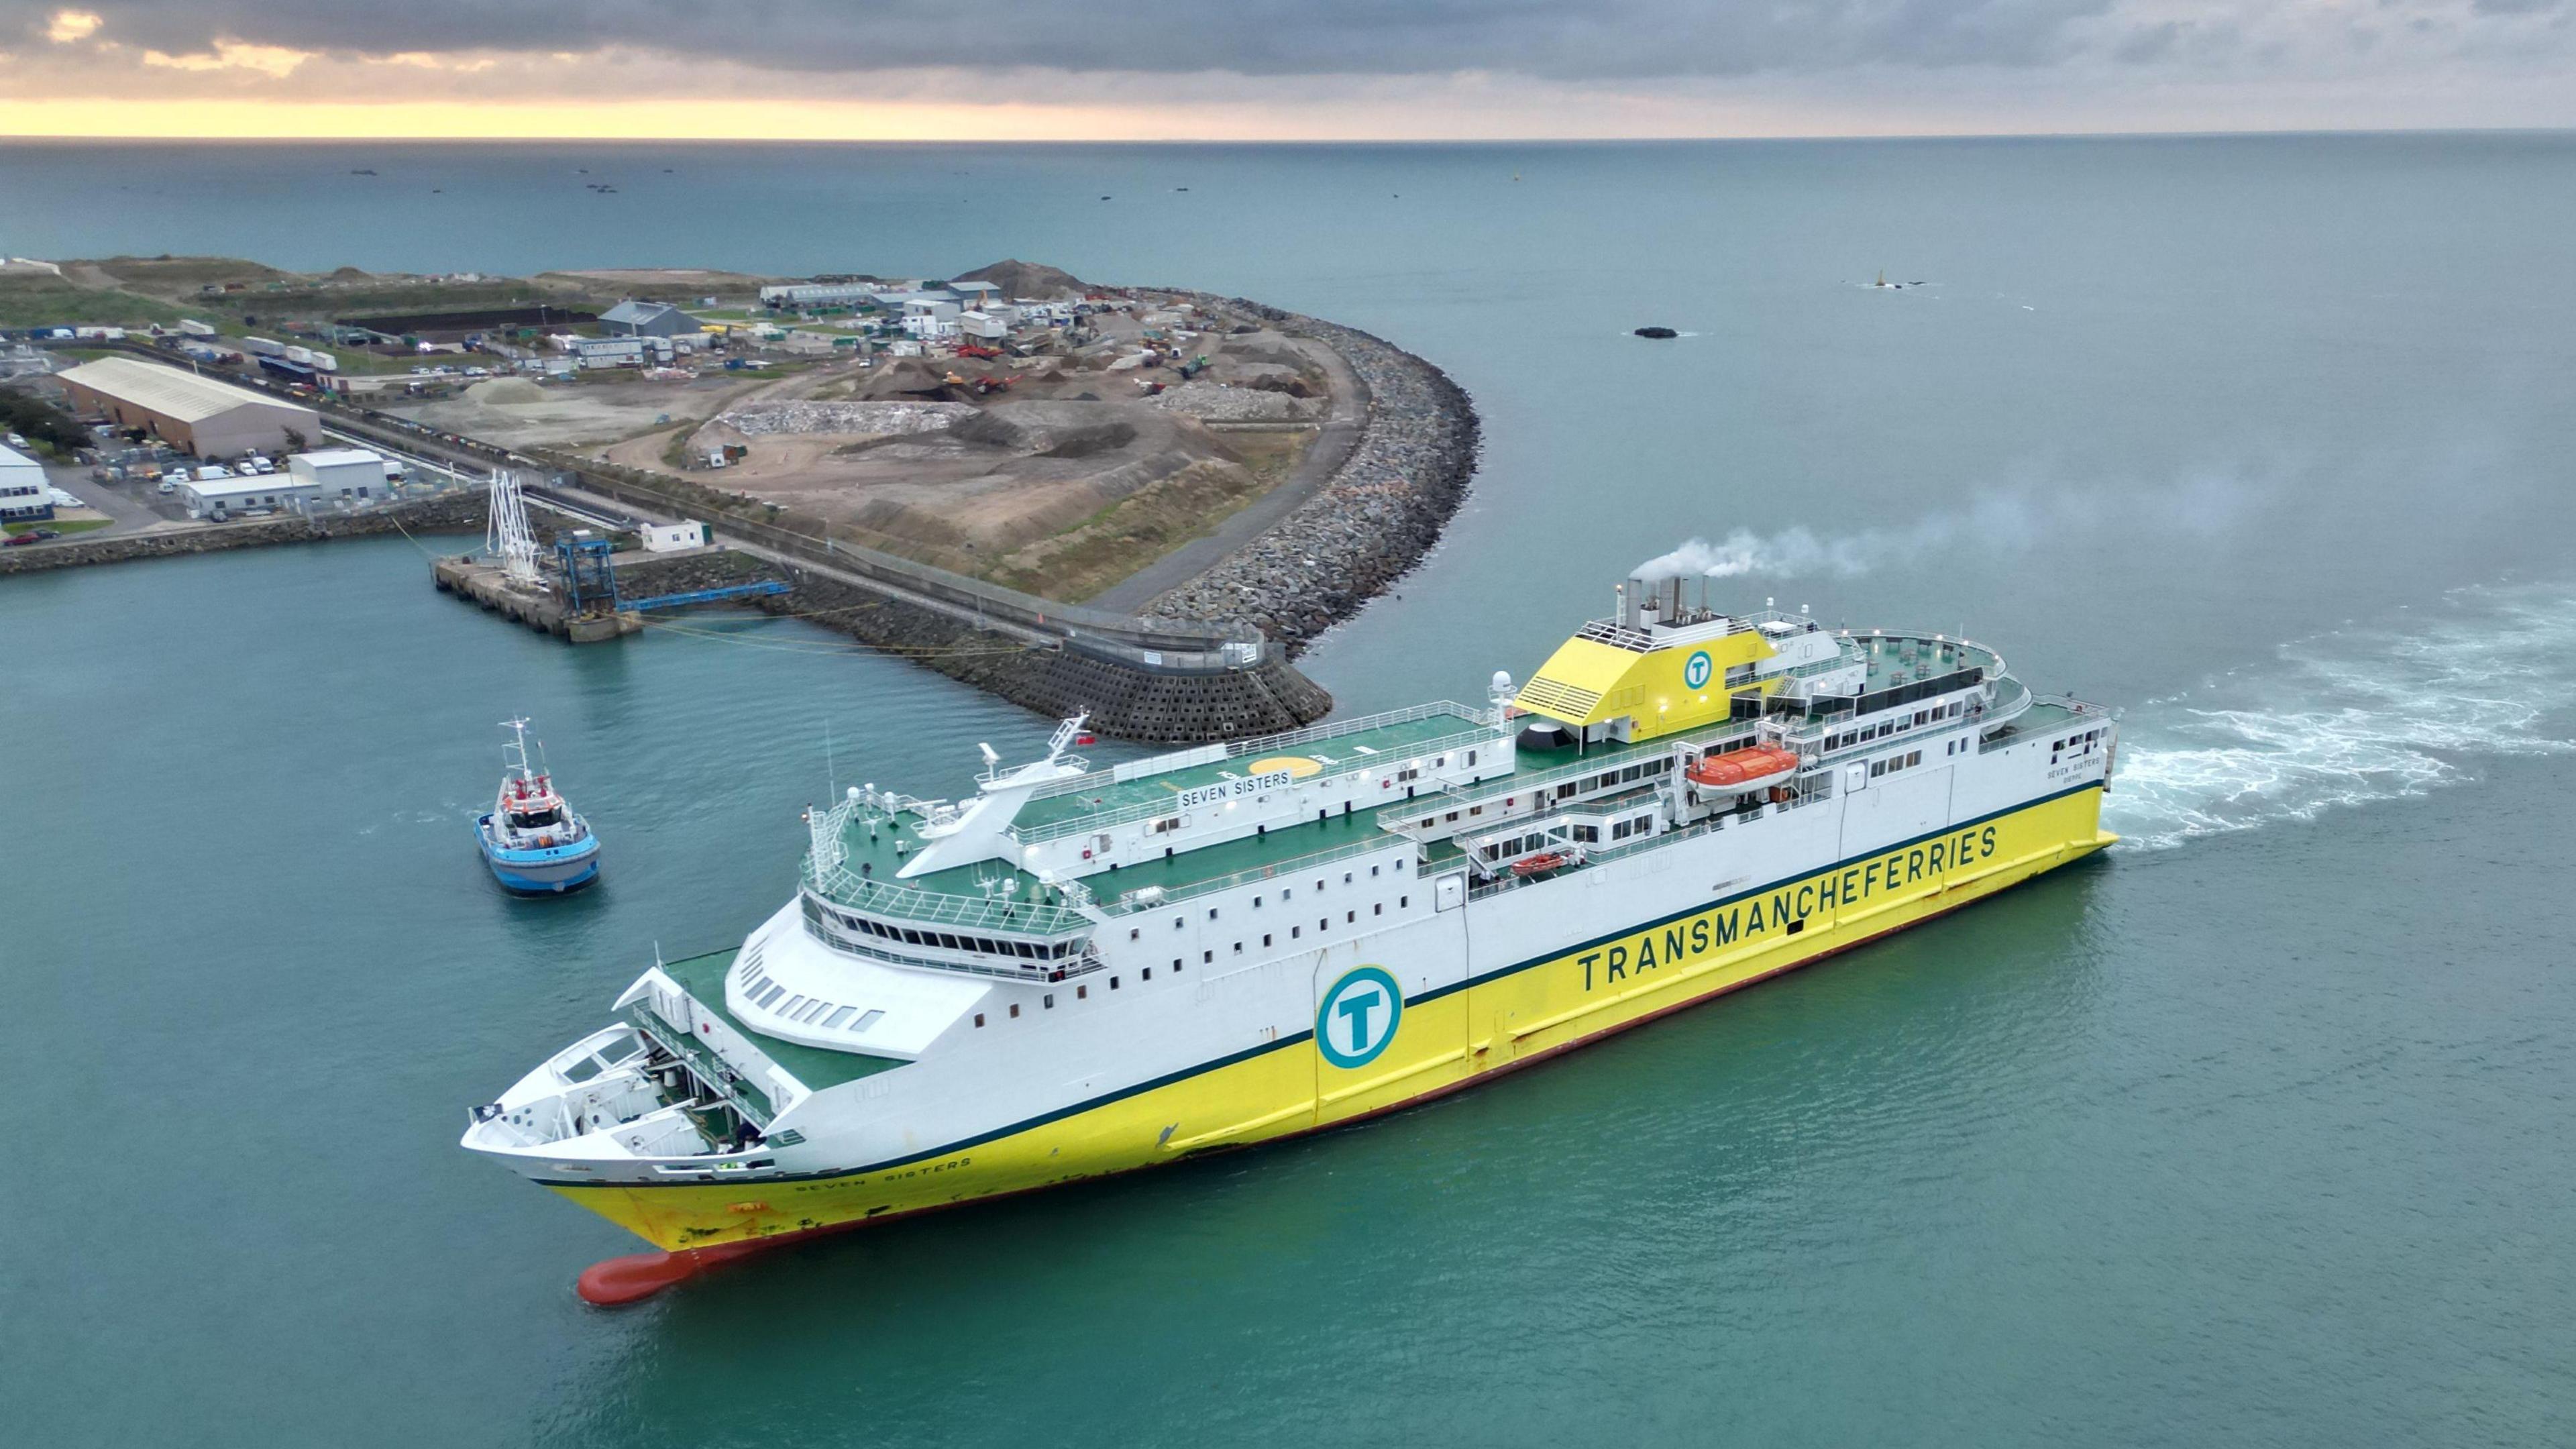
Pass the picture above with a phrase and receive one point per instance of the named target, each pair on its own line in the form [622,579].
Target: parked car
[259,464]
[169,487]
[213,471]
[33,535]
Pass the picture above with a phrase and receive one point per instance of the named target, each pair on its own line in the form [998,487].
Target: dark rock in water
[1657,332]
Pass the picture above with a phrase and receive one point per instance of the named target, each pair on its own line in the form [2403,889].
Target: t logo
[1358,1017]
[1696,672]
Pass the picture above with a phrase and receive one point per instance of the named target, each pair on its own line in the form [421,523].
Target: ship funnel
[1632,604]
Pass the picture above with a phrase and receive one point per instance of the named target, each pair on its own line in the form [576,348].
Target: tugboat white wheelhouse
[1077,971]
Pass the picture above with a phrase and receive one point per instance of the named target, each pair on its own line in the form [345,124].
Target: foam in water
[2355,717]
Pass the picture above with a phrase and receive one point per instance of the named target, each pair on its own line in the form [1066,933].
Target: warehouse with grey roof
[197,414]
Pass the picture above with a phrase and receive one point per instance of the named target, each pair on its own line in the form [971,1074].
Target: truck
[262,347]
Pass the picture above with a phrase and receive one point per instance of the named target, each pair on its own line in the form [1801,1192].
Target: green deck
[1337,753]
[961,892]
[703,978]
[1252,855]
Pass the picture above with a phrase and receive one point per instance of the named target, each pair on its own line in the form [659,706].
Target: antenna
[829,778]
[516,752]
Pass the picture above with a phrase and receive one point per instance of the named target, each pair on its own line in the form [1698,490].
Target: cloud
[68,26]
[1543,38]
[1332,68]
[271,60]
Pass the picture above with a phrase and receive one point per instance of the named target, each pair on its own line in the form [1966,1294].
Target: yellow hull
[1443,1041]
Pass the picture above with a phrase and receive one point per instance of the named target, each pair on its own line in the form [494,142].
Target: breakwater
[1380,513]
[1183,697]
[454,512]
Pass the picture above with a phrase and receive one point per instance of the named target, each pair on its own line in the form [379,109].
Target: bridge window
[1049,1003]
[1015,1009]
[979,1019]
[1082,993]
[1206,958]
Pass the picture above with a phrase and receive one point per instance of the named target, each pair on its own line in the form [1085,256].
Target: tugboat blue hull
[543,871]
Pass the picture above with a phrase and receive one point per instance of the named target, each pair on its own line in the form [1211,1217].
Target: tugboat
[531,839]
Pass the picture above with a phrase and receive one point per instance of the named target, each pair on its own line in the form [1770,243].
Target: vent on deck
[1553,697]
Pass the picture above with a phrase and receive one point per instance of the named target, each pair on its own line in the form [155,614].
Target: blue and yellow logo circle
[1695,674]
[1358,1017]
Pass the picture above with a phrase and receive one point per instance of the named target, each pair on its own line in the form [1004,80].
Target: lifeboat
[1744,771]
[1544,863]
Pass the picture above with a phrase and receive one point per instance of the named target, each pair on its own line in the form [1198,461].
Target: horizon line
[112,138]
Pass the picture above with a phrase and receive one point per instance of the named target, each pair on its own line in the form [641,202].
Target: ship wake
[2350,717]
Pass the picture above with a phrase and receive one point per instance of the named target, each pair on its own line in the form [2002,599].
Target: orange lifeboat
[1746,770]
[1544,863]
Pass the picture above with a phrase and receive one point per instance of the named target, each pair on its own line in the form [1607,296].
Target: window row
[1029,950]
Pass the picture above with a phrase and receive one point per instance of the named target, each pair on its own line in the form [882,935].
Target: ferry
[1075,971]
[532,840]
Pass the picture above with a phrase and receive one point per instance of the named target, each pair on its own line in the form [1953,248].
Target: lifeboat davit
[1746,770]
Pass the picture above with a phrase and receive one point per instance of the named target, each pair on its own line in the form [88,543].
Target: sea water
[2252,1131]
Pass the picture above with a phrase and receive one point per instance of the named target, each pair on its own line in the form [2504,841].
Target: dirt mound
[503,392]
[1218,402]
[904,375]
[1028,279]
[1049,430]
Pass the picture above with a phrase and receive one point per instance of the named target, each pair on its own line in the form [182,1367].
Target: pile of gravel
[1217,402]
[879,419]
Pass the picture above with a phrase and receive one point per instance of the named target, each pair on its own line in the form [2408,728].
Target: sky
[1276,69]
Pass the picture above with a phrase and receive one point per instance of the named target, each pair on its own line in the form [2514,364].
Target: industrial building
[210,497]
[817,294]
[621,351]
[194,414]
[349,475]
[24,493]
[646,319]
